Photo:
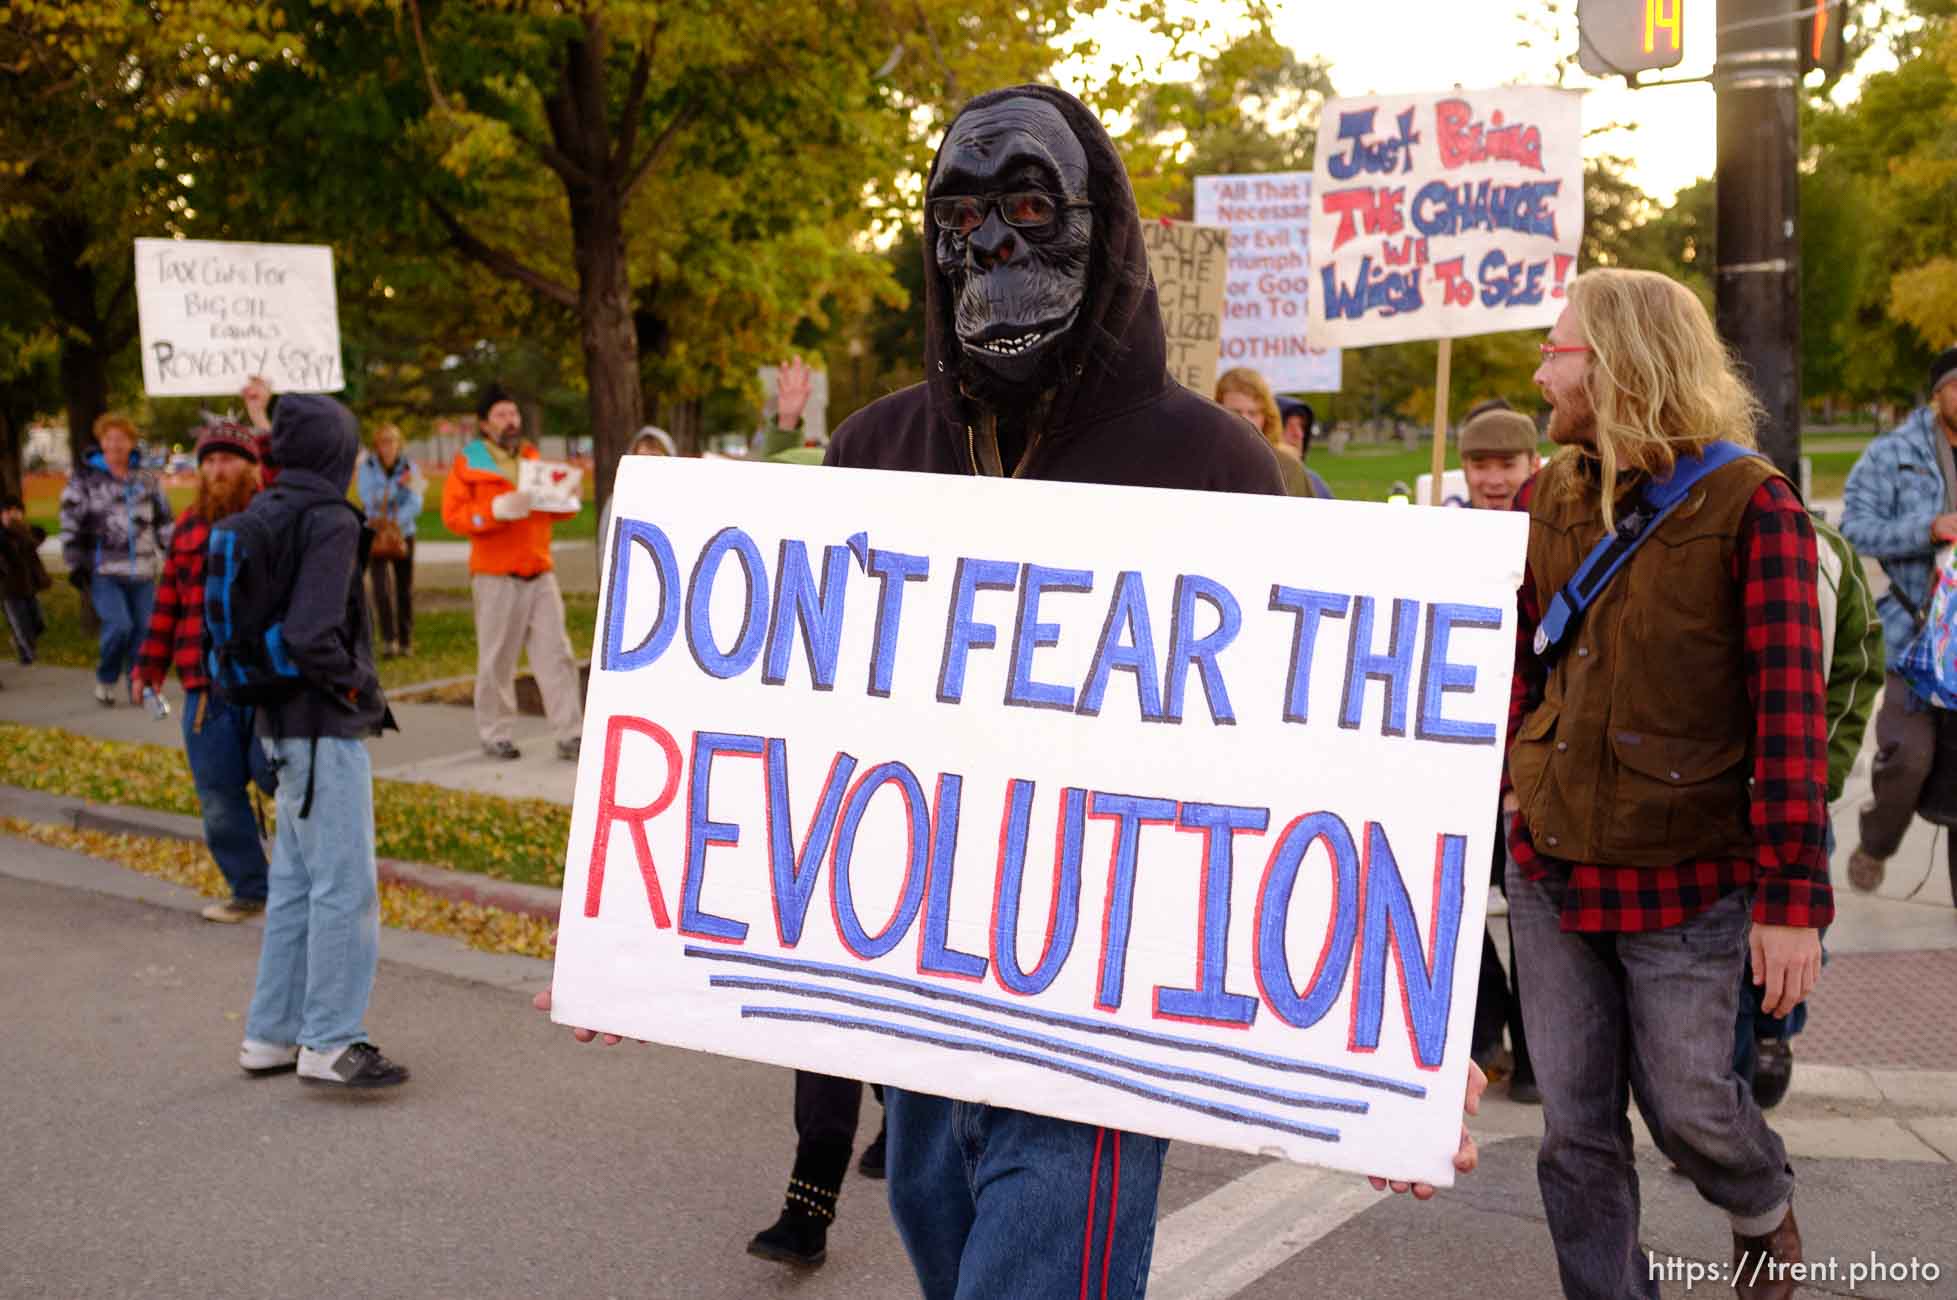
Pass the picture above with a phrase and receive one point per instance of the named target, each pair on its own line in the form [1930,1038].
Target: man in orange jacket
[518,604]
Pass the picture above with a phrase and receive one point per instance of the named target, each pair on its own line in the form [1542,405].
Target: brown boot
[1760,1264]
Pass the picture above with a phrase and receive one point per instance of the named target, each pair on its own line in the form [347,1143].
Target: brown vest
[1637,755]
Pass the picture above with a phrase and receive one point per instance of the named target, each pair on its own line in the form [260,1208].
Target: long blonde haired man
[1668,754]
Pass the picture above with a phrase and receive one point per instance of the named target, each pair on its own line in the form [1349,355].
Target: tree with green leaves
[93,89]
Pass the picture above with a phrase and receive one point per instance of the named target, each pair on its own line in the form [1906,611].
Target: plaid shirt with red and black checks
[1774,565]
[176,621]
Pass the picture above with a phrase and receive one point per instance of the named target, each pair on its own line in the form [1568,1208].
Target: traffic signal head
[1616,38]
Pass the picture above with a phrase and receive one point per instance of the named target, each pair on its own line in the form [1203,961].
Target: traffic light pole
[1758,286]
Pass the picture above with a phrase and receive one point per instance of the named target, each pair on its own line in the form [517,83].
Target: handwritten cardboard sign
[1190,264]
[1445,215]
[214,314]
[1265,316]
[552,485]
[1152,826]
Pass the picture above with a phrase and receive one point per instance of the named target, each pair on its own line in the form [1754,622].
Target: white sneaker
[357,1065]
[105,696]
[255,1057]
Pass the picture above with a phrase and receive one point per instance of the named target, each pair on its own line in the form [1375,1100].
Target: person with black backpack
[286,627]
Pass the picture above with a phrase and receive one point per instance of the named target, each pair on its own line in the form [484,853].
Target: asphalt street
[140,1162]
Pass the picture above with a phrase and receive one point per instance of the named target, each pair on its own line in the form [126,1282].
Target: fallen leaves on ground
[188,863]
[511,839]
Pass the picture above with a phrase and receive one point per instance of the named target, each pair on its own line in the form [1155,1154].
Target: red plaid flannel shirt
[176,621]
[1775,567]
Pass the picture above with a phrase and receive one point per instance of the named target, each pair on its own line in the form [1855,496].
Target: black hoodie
[315,442]
[1121,419]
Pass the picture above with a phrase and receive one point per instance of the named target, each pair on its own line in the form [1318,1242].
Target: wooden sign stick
[1441,366]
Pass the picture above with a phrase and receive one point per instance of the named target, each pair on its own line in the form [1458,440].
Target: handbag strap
[1659,498]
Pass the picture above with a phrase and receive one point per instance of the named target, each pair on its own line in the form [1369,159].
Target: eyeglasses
[1550,351]
[962,214]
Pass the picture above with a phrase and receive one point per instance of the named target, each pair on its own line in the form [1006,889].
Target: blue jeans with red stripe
[993,1202]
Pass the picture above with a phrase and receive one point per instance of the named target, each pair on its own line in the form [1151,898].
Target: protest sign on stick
[1444,215]
[1264,309]
[1159,828]
[213,314]
[1190,264]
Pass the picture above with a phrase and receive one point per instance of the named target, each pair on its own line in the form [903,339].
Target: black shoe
[568,749]
[357,1065]
[1523,1090]
[1773,1073]
[871,1164]
[794,1238]
[801,1235]
[503,750]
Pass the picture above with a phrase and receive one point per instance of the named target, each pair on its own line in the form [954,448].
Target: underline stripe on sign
[1174,1073]
[1058,1019]
[1216,1110]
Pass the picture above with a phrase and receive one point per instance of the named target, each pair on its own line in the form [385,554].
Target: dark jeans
[224,759]
[393,585]
[827,1109]
[1650,1015]
[25,622]
[993,1203]
[123,606]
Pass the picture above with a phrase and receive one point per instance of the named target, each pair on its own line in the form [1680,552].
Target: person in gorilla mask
[1045,358]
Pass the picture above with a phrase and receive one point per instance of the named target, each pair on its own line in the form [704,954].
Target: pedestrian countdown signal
[1617,38]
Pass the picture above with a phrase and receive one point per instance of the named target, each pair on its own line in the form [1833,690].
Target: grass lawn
[1367,473]
[511,839]
[445,633]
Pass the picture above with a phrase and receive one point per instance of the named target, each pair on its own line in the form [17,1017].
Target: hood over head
[316,435]
[1113,356]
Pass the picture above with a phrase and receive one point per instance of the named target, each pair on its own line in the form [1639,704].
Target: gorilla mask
[1014,230]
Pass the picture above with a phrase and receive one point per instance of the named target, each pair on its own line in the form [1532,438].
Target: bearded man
[1669,756]
[224,756]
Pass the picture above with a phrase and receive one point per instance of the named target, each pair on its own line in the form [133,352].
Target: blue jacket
[119,528]
[1894,493]
[390,496]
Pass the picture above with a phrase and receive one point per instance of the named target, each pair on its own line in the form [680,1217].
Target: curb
[540,901]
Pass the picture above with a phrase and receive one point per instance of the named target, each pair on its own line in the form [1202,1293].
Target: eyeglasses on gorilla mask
[962,214]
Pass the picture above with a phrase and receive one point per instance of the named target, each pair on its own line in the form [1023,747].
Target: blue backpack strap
[1659,498]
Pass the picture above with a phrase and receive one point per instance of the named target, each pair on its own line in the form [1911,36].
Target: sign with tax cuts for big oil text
[1445,215]
[1077,799]
[213,314]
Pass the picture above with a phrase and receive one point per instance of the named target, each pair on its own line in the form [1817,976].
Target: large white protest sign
[1445,215]
[1078,799]
[214,314]
[1265,320]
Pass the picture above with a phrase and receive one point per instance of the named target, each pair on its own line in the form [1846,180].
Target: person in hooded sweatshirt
[322,915]
[1045,358]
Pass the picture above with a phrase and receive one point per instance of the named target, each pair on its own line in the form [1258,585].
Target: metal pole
[1758,285]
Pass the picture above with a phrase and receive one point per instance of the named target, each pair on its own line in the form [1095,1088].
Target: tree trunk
[72,293]
[608,332]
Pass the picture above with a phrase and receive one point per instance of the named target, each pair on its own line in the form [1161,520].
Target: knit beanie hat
[491,394]
[227,435]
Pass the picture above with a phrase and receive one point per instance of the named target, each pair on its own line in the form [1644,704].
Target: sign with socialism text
[213,314]
[1444,215]
[1121,814]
